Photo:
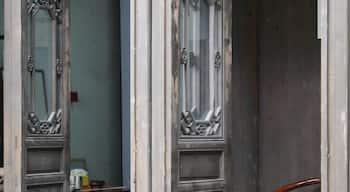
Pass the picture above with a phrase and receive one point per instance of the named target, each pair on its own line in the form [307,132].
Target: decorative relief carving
[52,6]
[201,82]
[218,60]
[30,64]
[191,58]
[218,4]
[59,67]
[184,56]
[52,126]
[192,127]
[195,4]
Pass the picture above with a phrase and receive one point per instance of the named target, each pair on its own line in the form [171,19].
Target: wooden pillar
[13,94]
[323,35]
[150,56]
[334,33]
[338,113]
[140,52]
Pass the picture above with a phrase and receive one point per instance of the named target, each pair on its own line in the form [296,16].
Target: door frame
[150,80]
[333,30]
[13,92]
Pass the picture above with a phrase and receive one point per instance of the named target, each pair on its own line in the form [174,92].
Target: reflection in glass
[43,55]
[198,46]
[201,69]
[45,68]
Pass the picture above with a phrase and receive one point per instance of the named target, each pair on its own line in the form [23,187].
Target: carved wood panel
[45,64]
[201,56]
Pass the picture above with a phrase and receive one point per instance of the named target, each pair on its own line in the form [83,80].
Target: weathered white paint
[158,95]
[141,95]
[150,57]
[323,35]
[168,95]
[13,95]
[334,32]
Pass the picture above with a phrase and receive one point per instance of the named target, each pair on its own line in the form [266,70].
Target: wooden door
[202,63]
[36,96]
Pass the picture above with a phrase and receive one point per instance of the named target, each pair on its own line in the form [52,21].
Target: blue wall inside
[96,123]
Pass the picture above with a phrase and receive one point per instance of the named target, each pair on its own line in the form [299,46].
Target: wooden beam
[151,74]
[338,96]
[158,95]
[13,95]
[140,82]
[323,36]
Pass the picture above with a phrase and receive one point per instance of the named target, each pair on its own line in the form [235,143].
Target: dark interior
[276,94]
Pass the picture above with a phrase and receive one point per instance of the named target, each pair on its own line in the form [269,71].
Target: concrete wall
[289,93]
[96,124]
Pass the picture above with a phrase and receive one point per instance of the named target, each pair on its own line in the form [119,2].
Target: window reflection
[201,69]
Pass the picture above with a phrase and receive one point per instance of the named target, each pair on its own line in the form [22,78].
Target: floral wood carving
[52,126]
[52,6]
[192,127]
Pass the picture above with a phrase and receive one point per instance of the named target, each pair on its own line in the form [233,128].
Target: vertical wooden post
[150,95]
[158,95]
[13,95]
[140,95]
[334,31]
[323,35]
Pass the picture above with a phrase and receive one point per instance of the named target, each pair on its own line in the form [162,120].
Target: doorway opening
[98,129]
[276,92]
[97,99]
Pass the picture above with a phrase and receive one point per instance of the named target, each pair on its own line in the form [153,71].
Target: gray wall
[289,93]
[96,75]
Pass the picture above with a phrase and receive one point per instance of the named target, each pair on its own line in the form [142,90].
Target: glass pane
[201,70]
[199,85]
[43,63]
